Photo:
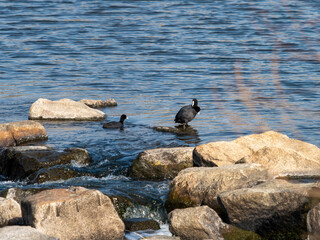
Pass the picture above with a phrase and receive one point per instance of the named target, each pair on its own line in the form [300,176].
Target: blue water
[253,66]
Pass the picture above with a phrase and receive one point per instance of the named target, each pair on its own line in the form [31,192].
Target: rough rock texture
[10,212]
[196,223]
[64,109]
[137,224]
[201,185]
[284,161]
[161,237]
[15,133]
[162,162]
[270,209]
[18,163]
[75,213]
[224,153]
[99,103]
[23,233]
[18,194]
[313,222]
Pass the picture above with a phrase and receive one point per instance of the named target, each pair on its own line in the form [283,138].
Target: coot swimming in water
[116,124]
[187,113]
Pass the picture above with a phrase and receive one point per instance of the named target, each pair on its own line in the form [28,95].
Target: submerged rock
[99,103]
[74,213]
[64,109]
[137,224]
[240,149]
[10,212]
[196,223]
[23,233]
[272,209]
[161,163]
[19,163]
[313,222]
[16,133]
[201,185]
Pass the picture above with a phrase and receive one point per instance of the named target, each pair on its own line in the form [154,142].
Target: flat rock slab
[64,109]
[16,133]
[137,224]
[74,213]
[162,163]
[201,185]
[99,103]
[271,208]
[20,163]
[23,233]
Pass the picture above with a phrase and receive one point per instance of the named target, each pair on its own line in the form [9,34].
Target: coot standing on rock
[116,124]
[187,113]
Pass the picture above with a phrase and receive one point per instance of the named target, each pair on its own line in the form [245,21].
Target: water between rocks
[253,66]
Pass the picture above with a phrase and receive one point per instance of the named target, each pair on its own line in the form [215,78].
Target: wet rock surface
[137,224]
[64,109]
[99,103]
[162,163]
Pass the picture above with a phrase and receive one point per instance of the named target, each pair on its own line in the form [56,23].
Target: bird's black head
[197,109]
[123,117]
[194,102]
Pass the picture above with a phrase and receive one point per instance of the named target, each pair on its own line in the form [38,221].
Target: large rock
[284,161]
[16,133]
[64,109]
[272,209]
[10,212]
[196,223]
[75,213]
[19,163]
[18,194]
[201,185]
[99,103]
[23,233]
[313,222]
[224,153]
[162,162]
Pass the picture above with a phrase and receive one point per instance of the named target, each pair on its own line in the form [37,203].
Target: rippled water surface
[253,66]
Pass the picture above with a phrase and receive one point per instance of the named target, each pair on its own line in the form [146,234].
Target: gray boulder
[23,233]
[10,212]
[201,185]
[74,213]
[99,103]
[64,109]
[162,163]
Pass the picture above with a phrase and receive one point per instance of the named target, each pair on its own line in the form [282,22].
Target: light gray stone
[23,233]
[10,212]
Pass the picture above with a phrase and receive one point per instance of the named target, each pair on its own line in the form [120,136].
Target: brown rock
[99,103]
[271,208]
[64,109]
[223,153]
[137,224]
[196,223]
[16,133]
[75,213]
[313,222]
[201,185]
[10,212]
[162,163]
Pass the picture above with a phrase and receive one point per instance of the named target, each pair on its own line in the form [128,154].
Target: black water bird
[187,113]
[116,124]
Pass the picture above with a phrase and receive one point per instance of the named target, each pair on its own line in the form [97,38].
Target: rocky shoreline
[240,189]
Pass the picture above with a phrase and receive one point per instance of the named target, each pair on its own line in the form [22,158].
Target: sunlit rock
[99,103]
[275,208]
[23,233]
[196,223]
[161,237]
[74,213]
[201,185]
[162,163]
[64,109]
[16,133]
[19,163]
[313,222]
[10,212]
